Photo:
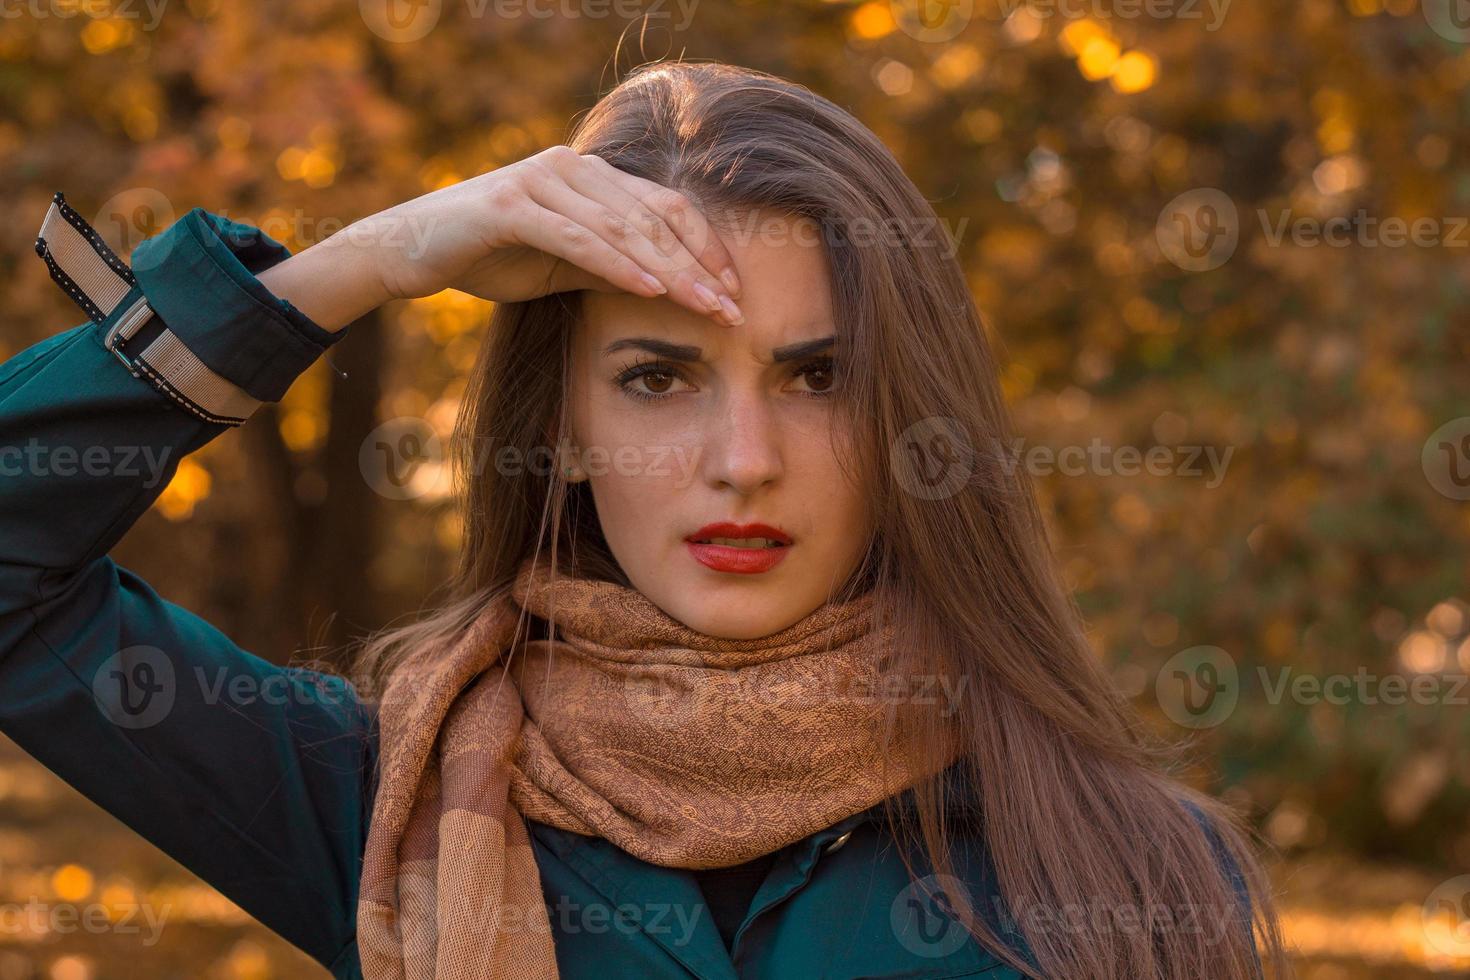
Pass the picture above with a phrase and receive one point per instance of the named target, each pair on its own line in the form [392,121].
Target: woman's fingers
[678,229]
[579,189]
[560,236]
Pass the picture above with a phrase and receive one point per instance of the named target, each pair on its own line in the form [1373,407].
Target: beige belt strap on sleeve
[94,277]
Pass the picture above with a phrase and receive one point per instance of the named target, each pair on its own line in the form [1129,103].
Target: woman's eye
[647,381]
[657,382]
[818,377]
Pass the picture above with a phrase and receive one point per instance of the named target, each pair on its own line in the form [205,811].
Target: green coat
[259,778]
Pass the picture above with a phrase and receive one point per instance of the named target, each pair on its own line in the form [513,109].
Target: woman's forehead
[785,295]
[609,320]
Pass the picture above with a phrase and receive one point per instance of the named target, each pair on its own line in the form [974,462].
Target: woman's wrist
[334,282]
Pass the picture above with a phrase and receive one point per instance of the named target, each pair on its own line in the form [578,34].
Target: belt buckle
[126,326]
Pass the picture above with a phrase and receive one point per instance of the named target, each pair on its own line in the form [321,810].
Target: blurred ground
[65,863]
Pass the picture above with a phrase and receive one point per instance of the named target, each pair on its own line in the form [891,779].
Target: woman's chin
[716,612]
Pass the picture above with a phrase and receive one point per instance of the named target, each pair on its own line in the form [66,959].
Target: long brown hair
[1077,811]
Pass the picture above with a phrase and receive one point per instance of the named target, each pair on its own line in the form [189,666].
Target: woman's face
[683,424]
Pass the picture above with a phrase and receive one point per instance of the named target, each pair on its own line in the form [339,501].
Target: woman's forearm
[334,282]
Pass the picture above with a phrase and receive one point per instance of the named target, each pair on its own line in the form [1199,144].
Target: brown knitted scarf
[682,749]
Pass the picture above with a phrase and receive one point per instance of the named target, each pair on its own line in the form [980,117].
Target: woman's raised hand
[553,222]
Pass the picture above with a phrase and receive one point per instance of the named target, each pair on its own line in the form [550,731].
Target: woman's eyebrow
[805,348]
[688,352]
[662,348]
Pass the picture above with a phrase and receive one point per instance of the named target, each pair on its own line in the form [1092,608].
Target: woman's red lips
[760,548]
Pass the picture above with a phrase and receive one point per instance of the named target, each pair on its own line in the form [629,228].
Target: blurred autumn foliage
[1133,198]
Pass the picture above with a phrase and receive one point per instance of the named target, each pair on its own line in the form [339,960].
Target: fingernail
[707,297]
[731,280]
[651,283]
[732,312]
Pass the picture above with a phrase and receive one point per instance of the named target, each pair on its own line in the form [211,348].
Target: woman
[769,675]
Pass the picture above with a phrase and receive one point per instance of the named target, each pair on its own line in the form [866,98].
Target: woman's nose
[742,447]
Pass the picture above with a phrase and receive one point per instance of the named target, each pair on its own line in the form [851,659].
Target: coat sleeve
[255,777]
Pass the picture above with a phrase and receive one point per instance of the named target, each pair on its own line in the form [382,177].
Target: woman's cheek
[839,514]
[650,461]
